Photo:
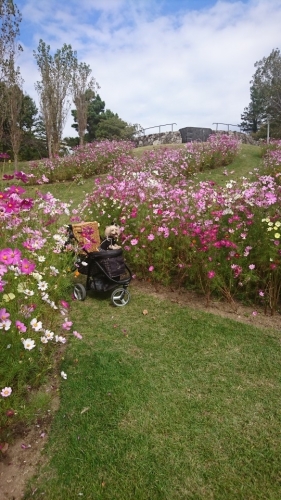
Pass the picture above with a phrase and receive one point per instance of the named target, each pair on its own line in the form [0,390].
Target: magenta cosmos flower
[20,326]
[7,256]
[15,189]
[26,266]
[64,304]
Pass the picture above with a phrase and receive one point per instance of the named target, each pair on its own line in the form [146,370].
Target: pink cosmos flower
[211,274]
[252,266]
[20,326]
[3,269]
[2,285]
[134,241]
[7,391]
[151,237]
[27,310]
[77,335]
[151,268]
[4,314]
[67,325]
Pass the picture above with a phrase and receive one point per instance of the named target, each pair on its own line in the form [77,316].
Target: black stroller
[105,270]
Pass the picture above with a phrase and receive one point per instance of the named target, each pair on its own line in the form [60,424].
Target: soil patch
[254,316]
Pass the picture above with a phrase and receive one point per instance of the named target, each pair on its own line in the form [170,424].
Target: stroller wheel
[120,297]
[79,292]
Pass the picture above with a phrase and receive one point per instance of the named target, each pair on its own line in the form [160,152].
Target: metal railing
[158,126]
[228,125]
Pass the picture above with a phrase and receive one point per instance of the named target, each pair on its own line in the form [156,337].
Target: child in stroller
[102,262]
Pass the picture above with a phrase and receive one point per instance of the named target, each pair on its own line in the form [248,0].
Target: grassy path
[172,404]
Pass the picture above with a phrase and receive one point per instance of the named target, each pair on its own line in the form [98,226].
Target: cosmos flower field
[218,241]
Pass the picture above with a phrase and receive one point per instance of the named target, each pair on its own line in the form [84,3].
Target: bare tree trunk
[82,92]
[10,18]
[14,102]
[54,89]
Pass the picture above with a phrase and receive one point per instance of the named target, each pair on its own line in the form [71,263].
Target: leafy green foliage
[103,123]
[265,94]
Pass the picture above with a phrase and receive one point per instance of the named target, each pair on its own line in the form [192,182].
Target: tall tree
[31,146]
[111,126]
[253,115]
[10,18]
[54,90]
[267,83]
[83,88]
[96,108]
[14,95]
[29,114]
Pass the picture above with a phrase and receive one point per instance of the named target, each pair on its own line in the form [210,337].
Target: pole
[267,139]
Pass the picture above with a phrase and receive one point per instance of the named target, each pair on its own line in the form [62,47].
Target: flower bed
[34,280]
[92,159]
[222,241]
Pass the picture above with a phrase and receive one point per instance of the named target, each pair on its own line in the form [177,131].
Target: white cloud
[192,67]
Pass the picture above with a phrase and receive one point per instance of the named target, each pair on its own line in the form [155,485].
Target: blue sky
[187,62]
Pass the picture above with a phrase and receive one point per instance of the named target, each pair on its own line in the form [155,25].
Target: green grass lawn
[174,404]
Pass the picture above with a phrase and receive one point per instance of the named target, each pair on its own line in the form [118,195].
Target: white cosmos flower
[60,338]
[37,276]
[36,325]
[42,285]
[54,271]
[44,340]
[5,324]
[28,344]
[63,375]
[49,335]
